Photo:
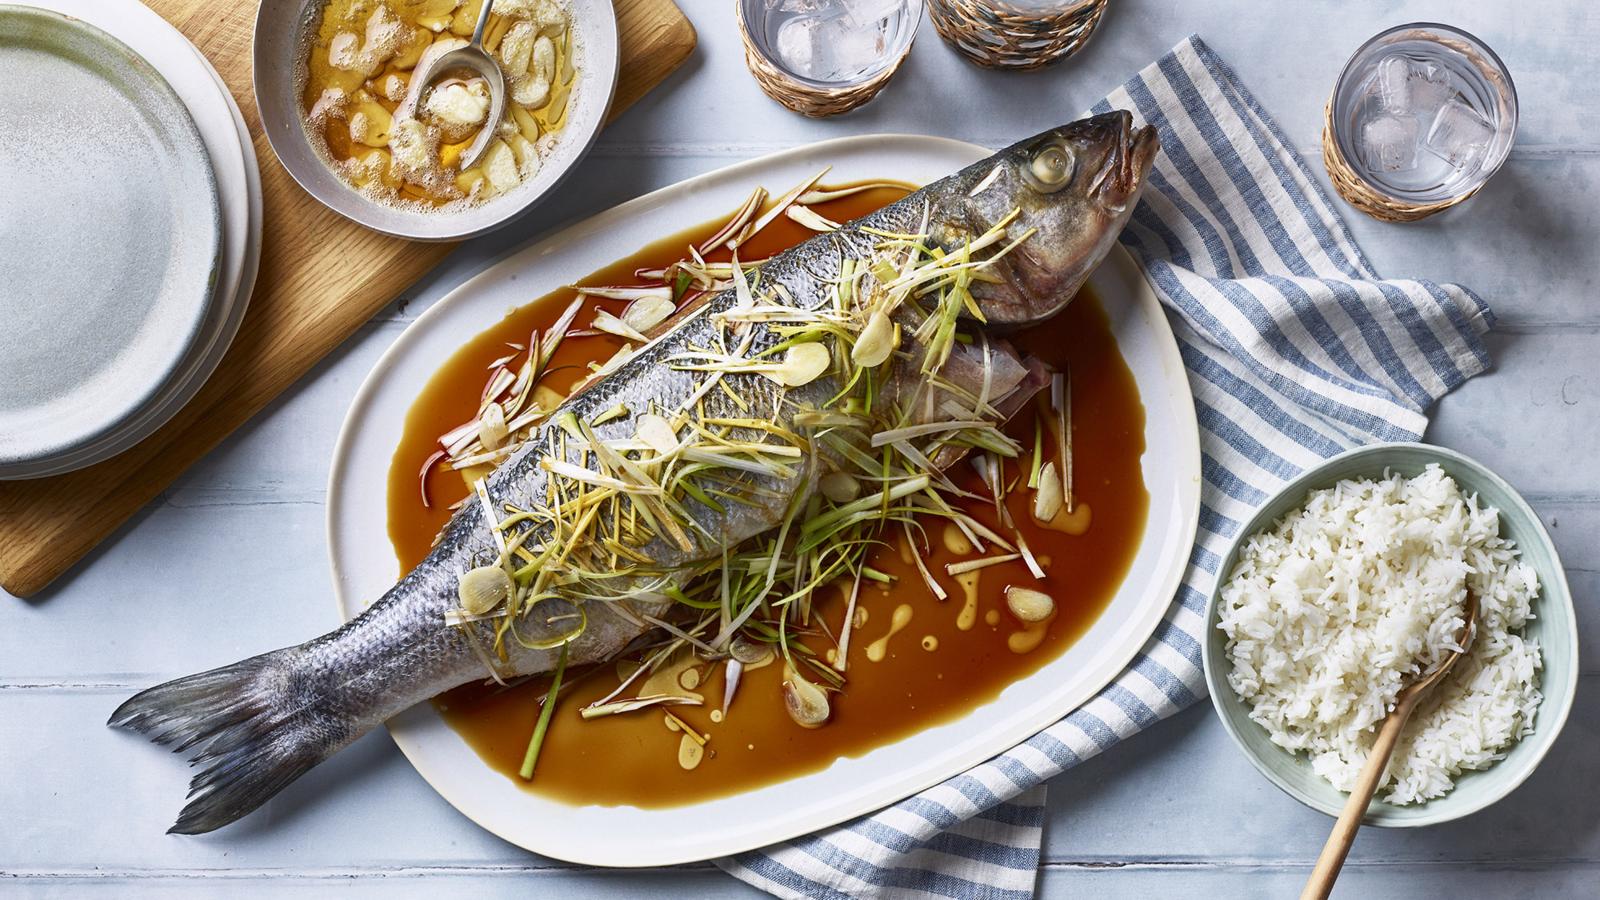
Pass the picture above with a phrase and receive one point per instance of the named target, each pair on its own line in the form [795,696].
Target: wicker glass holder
[999,34]
[1358,193]
[810,98]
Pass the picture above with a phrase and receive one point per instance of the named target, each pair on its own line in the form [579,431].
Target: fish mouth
[1122,172]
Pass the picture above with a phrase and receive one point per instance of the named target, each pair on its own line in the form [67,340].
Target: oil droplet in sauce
[991,618]
[1075,523]
[879,648]
[930,643]
[626,668]
[881,703]
[690,752]
[1028,639]
[955,541]
[670,678]
[969,608]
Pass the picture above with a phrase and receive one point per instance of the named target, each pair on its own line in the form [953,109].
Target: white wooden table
[231,561]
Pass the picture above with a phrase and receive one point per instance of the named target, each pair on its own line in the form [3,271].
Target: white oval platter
[364,563]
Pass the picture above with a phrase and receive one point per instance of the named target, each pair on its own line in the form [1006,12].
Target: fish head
[1071,190]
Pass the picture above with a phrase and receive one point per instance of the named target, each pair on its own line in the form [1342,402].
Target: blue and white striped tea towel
[1296,350]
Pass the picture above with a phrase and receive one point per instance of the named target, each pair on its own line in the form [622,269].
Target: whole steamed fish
[1054,204]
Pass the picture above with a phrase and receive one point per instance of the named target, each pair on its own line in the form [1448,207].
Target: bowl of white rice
[1347,586]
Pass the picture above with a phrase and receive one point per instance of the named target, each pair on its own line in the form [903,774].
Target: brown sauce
[929,670]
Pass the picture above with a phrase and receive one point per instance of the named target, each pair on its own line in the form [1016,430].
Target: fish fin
[254,728]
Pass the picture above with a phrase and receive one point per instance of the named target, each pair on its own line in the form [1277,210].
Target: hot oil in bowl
[914,661]
[356,72]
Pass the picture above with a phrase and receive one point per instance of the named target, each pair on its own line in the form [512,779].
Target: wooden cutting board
[308,299]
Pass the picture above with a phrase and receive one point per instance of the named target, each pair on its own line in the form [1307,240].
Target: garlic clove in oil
[483,588]
[806,703]
[1028,605]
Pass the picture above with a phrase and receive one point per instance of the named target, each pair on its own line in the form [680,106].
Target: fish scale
[256,725]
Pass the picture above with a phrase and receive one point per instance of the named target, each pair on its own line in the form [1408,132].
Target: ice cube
[800,47]
[828,49]
[1430,87]
[1458,135]
[1391,85]
[872,13]
[848,50]
[1389,143]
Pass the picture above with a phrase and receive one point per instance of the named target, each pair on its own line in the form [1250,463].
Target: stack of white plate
[130,229]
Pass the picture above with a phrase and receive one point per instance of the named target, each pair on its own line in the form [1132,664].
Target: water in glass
[835,42]
[1423,117]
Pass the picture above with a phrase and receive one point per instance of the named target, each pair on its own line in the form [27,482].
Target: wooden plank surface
[321,277]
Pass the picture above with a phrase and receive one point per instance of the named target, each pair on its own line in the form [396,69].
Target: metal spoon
[1320,884]
[473,57]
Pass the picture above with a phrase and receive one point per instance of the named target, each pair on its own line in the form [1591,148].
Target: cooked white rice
[1345,601]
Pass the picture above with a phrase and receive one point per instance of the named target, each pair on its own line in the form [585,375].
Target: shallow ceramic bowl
[283,29]
[1555,628]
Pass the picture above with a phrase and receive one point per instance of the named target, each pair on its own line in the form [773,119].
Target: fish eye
[1050,168]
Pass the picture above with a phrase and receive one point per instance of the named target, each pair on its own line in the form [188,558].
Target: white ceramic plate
[364,563]
[233,161]
[113,236]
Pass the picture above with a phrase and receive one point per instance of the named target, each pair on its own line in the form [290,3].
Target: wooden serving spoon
[1320,885]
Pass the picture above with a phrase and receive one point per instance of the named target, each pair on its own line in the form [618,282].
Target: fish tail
[255,726]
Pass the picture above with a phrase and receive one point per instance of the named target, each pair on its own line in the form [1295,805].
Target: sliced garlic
[482,589]
[542,65]
[840,487]
[394,87]
[1029,605]
[492,431]
[412,50]
[533,89]
[656,432]
[525,122]
[411,145]
[530,92]
[523,152]
[802,364]
[457,105]
[371,125]
[806,703]
[334,103]
[344,51]
[500,167]
[468,181]
[748,652]
[1047,497]
[516,49]
[648,312]
[876,342]
[466,19]
[436,14]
